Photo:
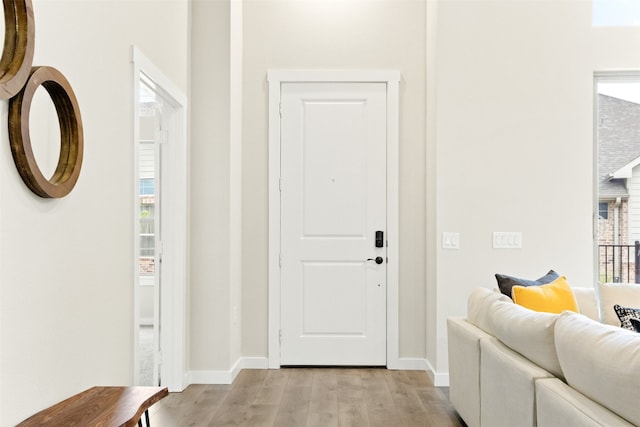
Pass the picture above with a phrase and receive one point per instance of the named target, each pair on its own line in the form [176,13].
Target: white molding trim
[227,377]
[439,379]
[255,363]
[630,74]
[419,364]
[392,79]
[412,364]
[210,377]
[173,297]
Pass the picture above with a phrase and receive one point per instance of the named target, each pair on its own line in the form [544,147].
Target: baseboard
[418,364]
[210,377]
[439,379]
[227,377]
[255,363]
[410,364]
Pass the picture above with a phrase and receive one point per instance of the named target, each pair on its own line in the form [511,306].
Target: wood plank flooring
[325,397]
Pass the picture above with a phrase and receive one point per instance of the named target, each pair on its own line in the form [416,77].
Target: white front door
[333,202]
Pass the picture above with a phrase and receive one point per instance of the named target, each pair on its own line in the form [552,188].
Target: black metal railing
[619,263]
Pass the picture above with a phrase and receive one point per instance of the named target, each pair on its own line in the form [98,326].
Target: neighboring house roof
[618,145]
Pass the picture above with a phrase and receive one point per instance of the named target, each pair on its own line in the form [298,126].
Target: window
[616,13]
[603,210]
[147,186]
[147,227]
[617,102]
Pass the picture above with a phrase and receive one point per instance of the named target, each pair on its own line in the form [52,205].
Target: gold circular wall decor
[71,138]
[17,54]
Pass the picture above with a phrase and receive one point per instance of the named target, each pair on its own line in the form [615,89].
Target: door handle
[378,259]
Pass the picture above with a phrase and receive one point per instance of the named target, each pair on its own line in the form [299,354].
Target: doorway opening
[160,228]
[277,79]
[150,146]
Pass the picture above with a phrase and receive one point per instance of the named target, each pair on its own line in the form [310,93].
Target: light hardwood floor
[325,397]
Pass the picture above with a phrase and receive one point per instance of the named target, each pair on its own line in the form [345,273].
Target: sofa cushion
[600,361]
[507,386]
[587,301]
[528,332]
[464,368]
[610,294]
[479,306]
[505,283]
[554,297]
[625,314]
[557,404]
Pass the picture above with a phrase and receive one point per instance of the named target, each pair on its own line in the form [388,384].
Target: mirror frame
[19,42]
[71,135]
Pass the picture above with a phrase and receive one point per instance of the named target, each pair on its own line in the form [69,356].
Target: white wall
[334,35]
[508,148]
[66,265]
[215,304]
[513,144]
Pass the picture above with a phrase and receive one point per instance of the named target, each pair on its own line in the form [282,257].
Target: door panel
[334,149]
[322,282]
[333,200]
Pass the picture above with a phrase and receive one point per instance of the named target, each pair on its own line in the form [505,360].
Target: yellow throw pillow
[554,297]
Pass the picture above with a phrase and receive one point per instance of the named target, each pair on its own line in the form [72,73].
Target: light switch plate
[507,240]
[450,240]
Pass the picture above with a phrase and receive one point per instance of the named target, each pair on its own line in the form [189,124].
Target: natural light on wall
[616,13]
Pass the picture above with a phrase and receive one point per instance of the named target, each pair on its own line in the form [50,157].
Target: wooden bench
[100,406]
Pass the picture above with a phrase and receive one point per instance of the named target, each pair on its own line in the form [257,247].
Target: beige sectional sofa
[510,366]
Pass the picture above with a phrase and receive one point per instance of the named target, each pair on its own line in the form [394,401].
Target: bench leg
[146,417]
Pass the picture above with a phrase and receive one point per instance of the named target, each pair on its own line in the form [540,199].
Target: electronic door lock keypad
[379,239]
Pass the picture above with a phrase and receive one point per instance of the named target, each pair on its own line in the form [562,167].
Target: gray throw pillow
[505,283]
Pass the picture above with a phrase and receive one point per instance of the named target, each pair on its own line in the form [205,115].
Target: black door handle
[378,259]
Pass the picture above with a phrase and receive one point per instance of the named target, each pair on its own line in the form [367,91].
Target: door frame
[391,78]
[603,76]
[173,297]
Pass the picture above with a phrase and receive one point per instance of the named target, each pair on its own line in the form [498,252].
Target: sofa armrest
[600,361]
[464,368]
[507,386]
[557,404]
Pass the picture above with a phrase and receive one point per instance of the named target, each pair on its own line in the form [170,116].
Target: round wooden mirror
[71,138]
[44,132]
[17,54]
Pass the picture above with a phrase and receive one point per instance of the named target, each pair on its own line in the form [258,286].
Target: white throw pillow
[610,294]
